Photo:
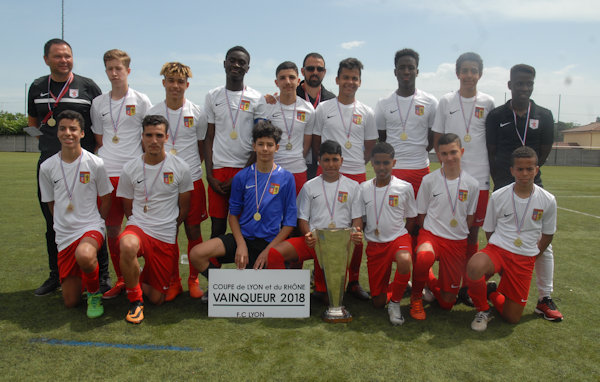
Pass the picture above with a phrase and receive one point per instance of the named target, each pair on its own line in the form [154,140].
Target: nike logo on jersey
[504,124]
[43,94]
[435,195]
[140,181]
[393,111]
[248,187]
[330,116]
[507,215]
[314,197]
[219,104]
[452,112]
[104,114]
[454,286]
[523,300]
[56,181]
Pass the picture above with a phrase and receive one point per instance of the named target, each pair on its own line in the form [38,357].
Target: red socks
[91,280]
[399,285]
[134,294]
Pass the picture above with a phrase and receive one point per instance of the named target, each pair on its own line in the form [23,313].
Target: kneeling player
[70,182]
[520,223]
[388,201]
[446,203]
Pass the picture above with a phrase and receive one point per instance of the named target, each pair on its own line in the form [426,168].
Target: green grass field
[441,348]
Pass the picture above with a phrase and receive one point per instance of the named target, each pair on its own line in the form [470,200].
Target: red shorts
[482,202]
[67,263]
[158,257]
[116,213]
[197,212]
[413,177]
[380,257]
[302,250]
[452,258]
[357,177]
[516,271]
[218,205]
[300,178]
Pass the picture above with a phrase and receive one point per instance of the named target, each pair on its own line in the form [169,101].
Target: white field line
[579,212]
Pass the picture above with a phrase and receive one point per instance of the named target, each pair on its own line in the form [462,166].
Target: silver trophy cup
[334,249]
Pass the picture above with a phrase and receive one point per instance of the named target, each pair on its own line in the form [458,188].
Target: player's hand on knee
[241,258]
[261,260]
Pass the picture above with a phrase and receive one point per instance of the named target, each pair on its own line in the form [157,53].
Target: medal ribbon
[452,205]
[467,125]
[520,225]
[337,187]
[524,138]
[57,99]
[291,129]
[403,122]
[174,136]
[258,203]
[342,118]
[378,213]
[317,100]
[146,192]
[116,124]
[62,169]
[234,120]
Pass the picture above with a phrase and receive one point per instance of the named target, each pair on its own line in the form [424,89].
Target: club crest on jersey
[84,177]
[478,112]
[393,200]
[130,110]
[534,123]
[274,189]
[301,116]
[244,105]
[188,121]
[462,195]
[168,177]
[342,197]
[73,93]
[357,119]
[537,214]
[419,110]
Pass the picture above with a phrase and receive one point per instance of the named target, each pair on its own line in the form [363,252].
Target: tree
[12,123]
[559,127]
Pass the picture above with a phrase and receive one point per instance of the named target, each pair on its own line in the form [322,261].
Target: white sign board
[249,293]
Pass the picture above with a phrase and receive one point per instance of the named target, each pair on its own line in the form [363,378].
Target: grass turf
[441,348]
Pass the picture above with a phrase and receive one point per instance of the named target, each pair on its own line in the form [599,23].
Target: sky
[560,38]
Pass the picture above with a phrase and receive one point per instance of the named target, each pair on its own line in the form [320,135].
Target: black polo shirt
[325,94]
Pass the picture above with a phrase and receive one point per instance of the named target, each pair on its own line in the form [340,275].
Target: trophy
[334,249]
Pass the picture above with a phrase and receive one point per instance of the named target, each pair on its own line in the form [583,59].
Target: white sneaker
[481,320]
[395,313]
[428,295]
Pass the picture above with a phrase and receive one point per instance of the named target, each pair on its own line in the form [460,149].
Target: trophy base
[336,315]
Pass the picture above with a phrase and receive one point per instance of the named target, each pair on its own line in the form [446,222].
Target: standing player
[262,209]
[295,117]
[156,189]
[446,205]
[187,128]
[352,124]
[231,111]
[521,122]
[388,203]
[463,113]
[520,223]
[117,126]
[404,120]
[70,182]
[48,96]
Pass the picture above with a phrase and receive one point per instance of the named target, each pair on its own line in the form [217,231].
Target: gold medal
[453,223]
[145,209]
[173,151]
[115,139]
[70,207]
[288,146]
[376,231]
[332,225]
[257,216]
[518,242]
[467,137]
[348,145]
[233,134]
[404,136]
[51,122]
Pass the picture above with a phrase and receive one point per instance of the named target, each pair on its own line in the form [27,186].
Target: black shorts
[255,247]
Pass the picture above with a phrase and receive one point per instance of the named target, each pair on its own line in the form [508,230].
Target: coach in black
[48,96]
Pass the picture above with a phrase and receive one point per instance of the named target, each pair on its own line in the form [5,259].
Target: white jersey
[418,115]
[187,126]
[163,186]
[538,213]
[126,114]
[228,152]
[436,201]
[87,182]
[359,119]
[397,204]
[346,204]
[449,119]
[298,125]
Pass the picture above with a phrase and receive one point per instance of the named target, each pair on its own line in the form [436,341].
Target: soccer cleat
[491,288]
[175,290]
[395,313]
[48,286]
[135,315]
[428,295]
[416,310]
[547,308]
[357,291]
[463,296]
[105,285]
[481,320]
[94,305]
[194,288]
[114,291]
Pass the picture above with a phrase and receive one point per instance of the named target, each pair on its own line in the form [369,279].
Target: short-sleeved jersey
[418,114]
[299,123]
[90,181]
[436,201]
[187,126]
[127,114]
[501,133]
[249,106]
[397,204]
[449,119]
[345,205]
[539,218]
[357,117]
[78,98]
[278,205]
[163,186]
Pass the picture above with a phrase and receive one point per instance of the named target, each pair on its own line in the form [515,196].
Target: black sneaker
[48,286]
[463,297]
[105,285]
[357,291]
[491,288]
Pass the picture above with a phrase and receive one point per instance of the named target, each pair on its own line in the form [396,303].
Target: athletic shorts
[67,263]
[357,177]
[516,271]
[380,257]
[197,212]
[413,177]
[116,213]
[158,257]
[300,178]
[218,205]
[451,255]
[255,247]
[482,202]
